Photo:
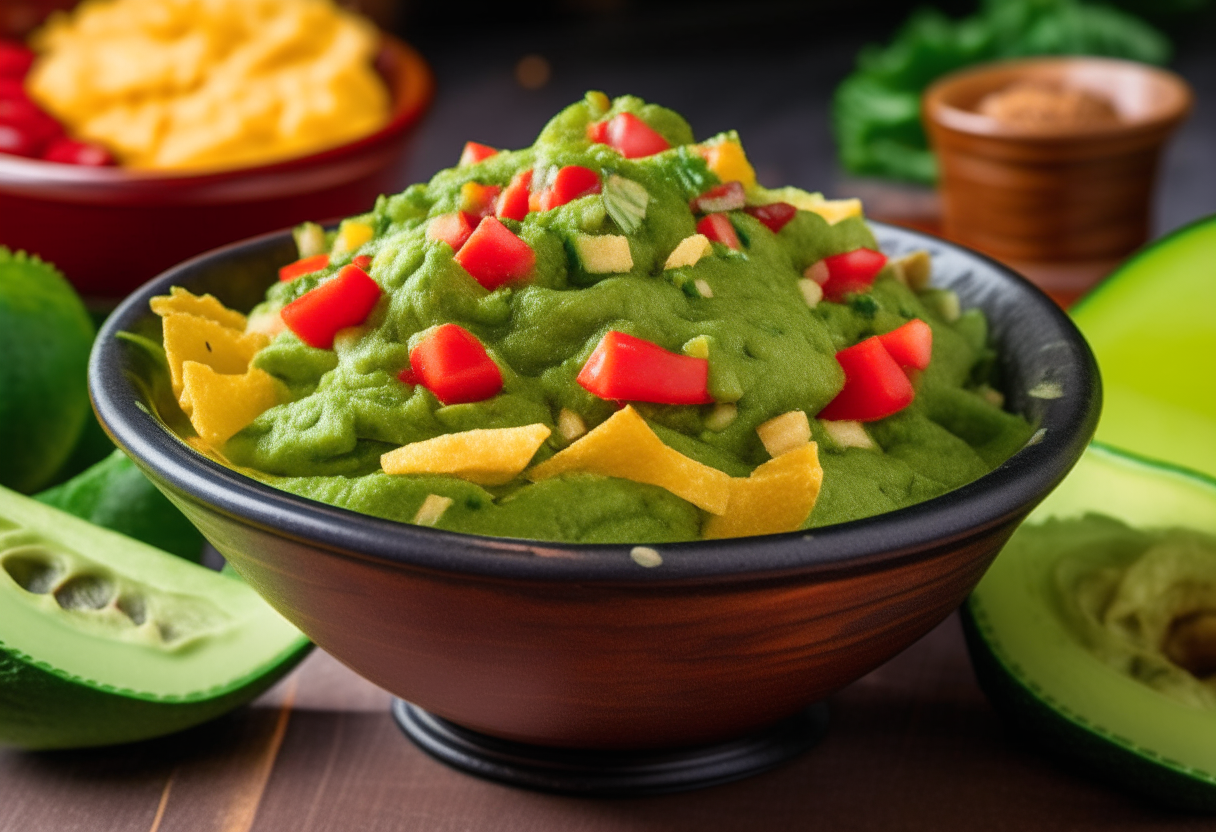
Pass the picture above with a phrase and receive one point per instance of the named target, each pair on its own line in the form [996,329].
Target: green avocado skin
[1091,754]
[41,710]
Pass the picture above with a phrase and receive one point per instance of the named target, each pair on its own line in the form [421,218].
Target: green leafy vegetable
[876,110]
[625,201]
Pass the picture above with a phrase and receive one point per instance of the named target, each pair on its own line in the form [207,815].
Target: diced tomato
[728,196]
[363,261]
[303,266]
[571,182]
[29,128]
[479,200]
[474,153]
[852,271]
[493,255]
[344,300]
[874,385]
[625,368]
[911,345]
[12,88]
[513,201]
[629,135]
[453,229]
[15,59]
[71,152]
[16,141]
[451,363]
[718,229]
[775,214]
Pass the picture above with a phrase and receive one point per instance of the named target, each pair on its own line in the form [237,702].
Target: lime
[45,337]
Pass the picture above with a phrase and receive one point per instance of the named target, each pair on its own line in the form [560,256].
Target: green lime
[45,337]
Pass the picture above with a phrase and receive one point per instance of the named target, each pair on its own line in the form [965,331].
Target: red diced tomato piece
[12,88]
[15,59]
[363,261]
[474,153]
[625,368]
[629,135]
[17,141]
[303,266]
[71,152]
[775,214]
[513,201]
[570,183]
[479,200]
[911,345]
[718,229]
[344,300]
[874,385]
[728,196]
[29,129]
[453,229]
[451,363]
[852,271]
[597,132]
[493,255]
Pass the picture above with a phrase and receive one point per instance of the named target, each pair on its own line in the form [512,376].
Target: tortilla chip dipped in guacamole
[614,335]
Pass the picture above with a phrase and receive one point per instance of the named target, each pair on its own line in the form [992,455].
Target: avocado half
[1152,329]
[104,639]
[1040,677]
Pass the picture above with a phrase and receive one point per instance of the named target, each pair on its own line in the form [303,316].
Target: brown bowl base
[610,773]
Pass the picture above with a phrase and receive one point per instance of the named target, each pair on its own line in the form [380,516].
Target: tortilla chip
[625,447]
[777,497]
[204,306]
[192,338]
[485,456]
[222,404]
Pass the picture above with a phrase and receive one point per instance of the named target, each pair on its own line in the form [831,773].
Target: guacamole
[451,357]
[1143,601]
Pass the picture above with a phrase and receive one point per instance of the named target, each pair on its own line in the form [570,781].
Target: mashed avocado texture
[615,221]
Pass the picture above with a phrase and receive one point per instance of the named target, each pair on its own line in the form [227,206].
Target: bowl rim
[910,534]
[939,112]
[409,103]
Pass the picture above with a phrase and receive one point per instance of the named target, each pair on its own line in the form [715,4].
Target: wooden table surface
[912,746]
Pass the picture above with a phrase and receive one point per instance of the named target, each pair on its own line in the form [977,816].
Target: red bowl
[111,230]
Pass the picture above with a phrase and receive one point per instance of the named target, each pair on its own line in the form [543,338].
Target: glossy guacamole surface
[769,353]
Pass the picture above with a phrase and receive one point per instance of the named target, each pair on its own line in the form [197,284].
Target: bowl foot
[610,773]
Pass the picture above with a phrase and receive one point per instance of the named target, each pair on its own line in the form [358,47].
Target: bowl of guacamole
[600,443]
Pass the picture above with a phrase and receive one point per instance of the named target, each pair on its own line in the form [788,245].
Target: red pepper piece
[303,266]
[775,214]
[344,300]
[911,345]
[71,152]
[570,183]
[474,153]
[625,368]
[874,385]
[453,229]
[493,255]
[513,201]
[15,59]
[728,196]
[29,128]
[451,363]
[718,229]
[12,88]
[363,261]
[852,271]
[629,135]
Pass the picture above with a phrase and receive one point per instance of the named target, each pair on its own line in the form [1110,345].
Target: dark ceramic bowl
[111,229]
[580,646]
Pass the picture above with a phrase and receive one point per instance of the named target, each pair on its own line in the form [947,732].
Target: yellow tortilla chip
[485,456]
[777,497]
[204,306]
[222,404]
[625,447]
[191,338]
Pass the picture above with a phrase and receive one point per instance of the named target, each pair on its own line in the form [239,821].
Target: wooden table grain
[912,746]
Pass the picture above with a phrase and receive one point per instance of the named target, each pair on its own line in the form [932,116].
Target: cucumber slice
[104,639]
[1038,674]
[1152,327]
